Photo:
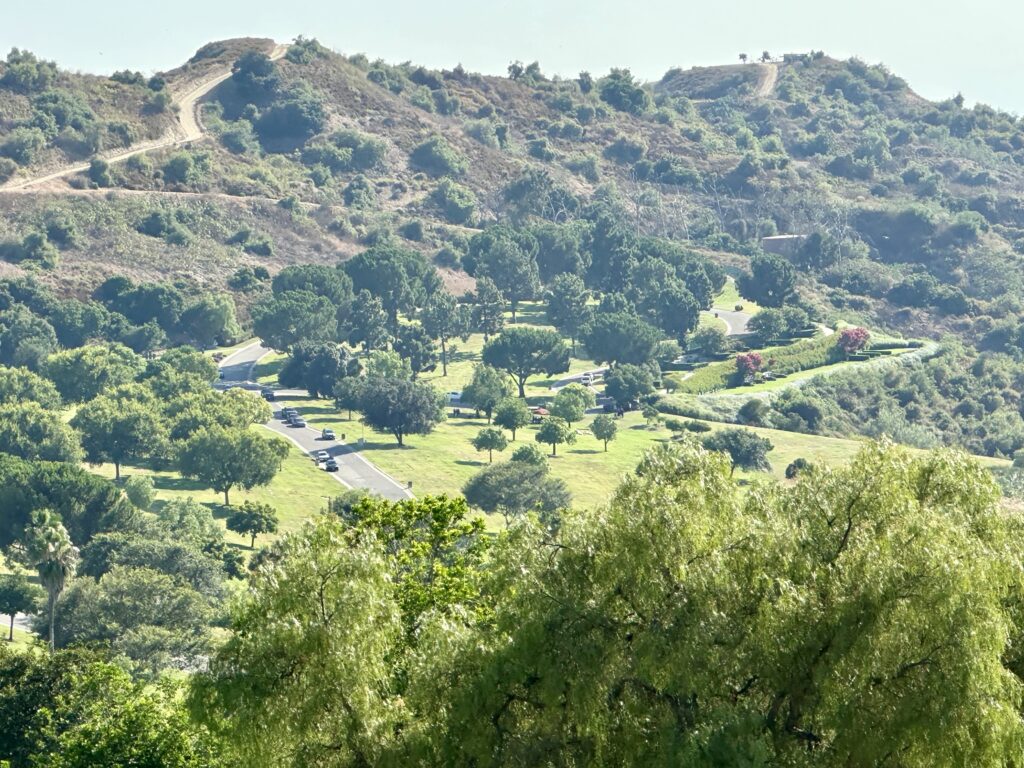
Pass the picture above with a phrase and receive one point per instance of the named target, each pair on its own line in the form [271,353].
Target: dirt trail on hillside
[187,130]
[769,76]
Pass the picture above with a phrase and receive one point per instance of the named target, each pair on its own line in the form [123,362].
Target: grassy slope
[296,493]
[444,460]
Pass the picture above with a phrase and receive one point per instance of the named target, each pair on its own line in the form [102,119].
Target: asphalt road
[237,367]
[354,470]
[735,322]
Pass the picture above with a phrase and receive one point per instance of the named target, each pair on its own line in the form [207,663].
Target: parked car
[328,434]
[453,397]
[267,394]
[220,375]
[322,455]
[331,465]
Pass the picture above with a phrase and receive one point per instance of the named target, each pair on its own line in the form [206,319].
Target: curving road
[735,322]
[189,129]
[355,471]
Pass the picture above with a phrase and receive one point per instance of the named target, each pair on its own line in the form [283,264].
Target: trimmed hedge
[783,361]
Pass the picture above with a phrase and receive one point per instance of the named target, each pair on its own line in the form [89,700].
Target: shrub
[34,248]
[539,149]
[457,203]
[253,242]
[304,51]
[25,73]
[239,137]
[99,173]
[587,166]
[747,364]
[446,103]
[437,157]
[412,230]
[853,340]
[22,145]
[7,169]
[625,150]
[182,168]
[164,225]
[797,466]
[140,492]
[484,132]
[359,193]
[622,92]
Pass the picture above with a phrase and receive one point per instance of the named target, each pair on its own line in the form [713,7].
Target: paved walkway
[355,471]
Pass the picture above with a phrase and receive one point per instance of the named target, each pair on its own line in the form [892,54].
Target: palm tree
[50,551]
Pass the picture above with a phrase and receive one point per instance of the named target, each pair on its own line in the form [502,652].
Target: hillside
[920,203]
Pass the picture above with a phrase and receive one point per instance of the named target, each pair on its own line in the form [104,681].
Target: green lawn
[228,350]
[444,460]
[729,297]
[297,493]
[22,639]
[708,320]
[266,369]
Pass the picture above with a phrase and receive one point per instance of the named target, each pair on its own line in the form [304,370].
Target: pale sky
[940,46]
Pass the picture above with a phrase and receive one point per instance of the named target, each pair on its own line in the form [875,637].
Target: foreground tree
[74,709]
[833,670]
[305,677]
[231,458]
[251,519]
[523,352]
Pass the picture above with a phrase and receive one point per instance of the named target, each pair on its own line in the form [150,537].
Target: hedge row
[800,356]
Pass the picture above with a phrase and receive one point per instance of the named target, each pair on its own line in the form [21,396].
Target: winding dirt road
[769,76]
[188,129]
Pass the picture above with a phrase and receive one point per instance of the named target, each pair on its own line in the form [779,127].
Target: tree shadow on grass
[179,484]
[586,451]
[470,463]
[373,445]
